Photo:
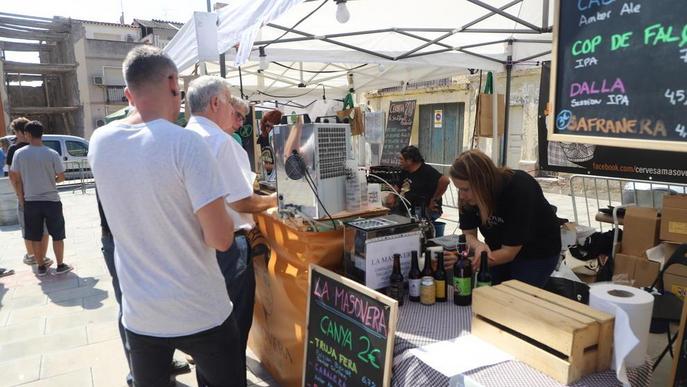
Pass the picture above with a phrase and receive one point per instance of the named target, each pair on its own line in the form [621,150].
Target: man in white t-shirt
[160,189]
[214,118]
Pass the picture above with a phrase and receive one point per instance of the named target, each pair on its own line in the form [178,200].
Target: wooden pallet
[560,337]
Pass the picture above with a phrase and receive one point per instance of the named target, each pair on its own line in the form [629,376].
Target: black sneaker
[6,272]
[63,268]
[42,270]
[180,367]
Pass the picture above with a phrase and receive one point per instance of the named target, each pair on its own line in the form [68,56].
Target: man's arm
[293,142]
[254,203]
[15,178]
[217,226]
[441,188]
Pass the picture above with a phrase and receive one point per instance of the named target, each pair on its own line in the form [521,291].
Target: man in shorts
[21,141]
[36,169]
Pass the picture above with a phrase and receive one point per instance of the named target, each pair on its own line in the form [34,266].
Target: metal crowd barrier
[449,200]
[450,197]
[590,193]
[77,175]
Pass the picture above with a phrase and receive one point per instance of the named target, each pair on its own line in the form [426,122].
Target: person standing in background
[20,141]
[36,170]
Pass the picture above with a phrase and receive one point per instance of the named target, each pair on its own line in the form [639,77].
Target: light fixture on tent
[342,14]
[263,59]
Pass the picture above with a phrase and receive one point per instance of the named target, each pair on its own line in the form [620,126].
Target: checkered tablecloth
[420,325]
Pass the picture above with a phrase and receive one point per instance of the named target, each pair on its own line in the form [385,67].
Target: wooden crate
[560,337]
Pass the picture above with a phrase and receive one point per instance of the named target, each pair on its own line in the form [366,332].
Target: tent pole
[222,66]
[240,82]
[509,76]
[545,14]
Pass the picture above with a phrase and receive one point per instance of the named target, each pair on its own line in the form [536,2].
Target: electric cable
[403,200]
[321,71]
[290,96]
[311,184]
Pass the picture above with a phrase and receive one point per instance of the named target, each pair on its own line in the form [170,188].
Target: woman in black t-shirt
[519,225]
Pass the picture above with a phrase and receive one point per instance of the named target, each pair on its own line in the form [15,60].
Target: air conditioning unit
[315,167]
[98,80]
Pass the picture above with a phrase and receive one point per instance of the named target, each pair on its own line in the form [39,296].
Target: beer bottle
[462,275]
[427,270]
[440,278]
[396,290]
[414,278]
[484,277]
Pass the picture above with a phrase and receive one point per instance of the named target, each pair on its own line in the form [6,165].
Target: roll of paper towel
[632,309]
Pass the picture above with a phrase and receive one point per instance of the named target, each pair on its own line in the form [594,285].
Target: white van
[73,151]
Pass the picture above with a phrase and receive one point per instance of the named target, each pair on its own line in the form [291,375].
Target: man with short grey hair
[173,292]
[213,118]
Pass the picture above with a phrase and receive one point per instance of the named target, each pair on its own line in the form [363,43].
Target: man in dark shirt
[18,127]
[421,184]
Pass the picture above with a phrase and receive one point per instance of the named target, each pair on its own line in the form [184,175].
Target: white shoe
[31,260]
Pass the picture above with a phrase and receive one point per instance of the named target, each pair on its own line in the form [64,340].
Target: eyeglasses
[239,115]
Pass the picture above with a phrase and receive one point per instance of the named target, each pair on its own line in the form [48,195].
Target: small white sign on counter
[379,259]
[457,356]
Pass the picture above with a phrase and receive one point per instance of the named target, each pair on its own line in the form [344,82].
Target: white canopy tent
[300,53]
[385,43]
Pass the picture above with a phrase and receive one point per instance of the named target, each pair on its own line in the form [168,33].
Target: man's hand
[390,200]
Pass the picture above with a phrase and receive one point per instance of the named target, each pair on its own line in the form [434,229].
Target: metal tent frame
[430,44]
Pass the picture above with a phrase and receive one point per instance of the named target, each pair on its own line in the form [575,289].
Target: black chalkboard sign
[619,73]
[350,333]
[399,124]
[637,164]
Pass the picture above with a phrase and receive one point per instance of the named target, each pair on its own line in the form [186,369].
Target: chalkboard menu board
[640,164]
[619,73]
[399,123]
[350,333]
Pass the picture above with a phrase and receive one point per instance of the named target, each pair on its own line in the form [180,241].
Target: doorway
[441,132]
[515,137]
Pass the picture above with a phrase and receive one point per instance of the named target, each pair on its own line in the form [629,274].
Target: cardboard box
[675,280]
[639,270]
[674,219]
[640,230]
[485,117]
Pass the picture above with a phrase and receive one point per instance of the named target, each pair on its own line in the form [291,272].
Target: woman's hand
[479,247]
[450,258]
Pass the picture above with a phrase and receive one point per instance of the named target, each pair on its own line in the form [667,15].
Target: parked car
[73,151]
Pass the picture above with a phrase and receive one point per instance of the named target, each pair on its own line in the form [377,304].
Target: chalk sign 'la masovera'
[618,73]
[350,333]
